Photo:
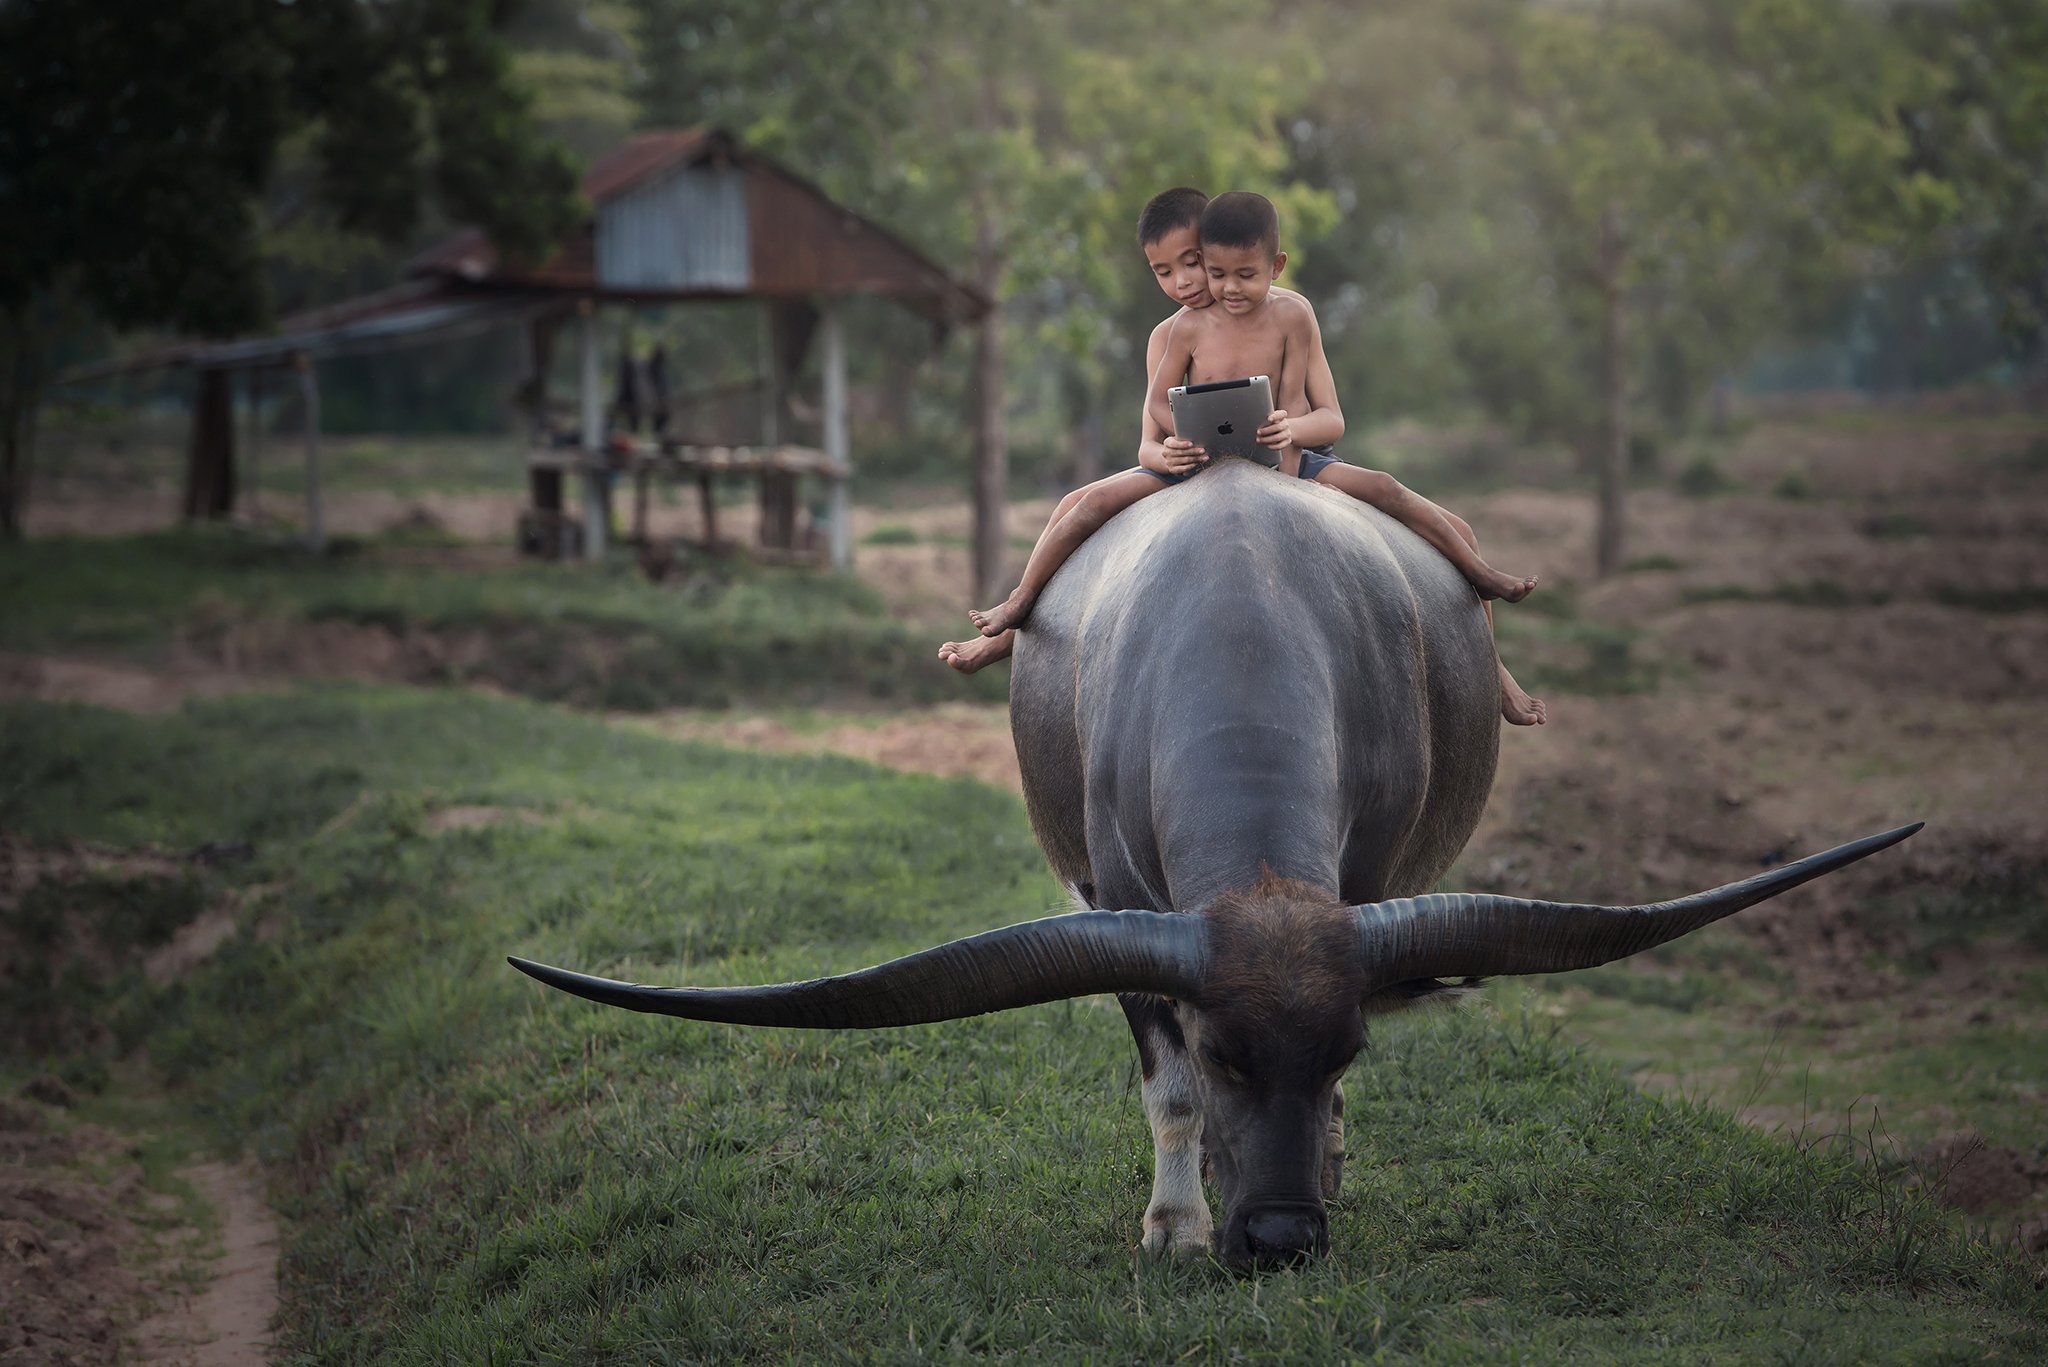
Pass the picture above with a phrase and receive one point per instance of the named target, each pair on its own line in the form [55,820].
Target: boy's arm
[1176,354]
[1157,450]
[1323,423]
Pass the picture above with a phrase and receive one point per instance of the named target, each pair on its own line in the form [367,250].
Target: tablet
[1224,418]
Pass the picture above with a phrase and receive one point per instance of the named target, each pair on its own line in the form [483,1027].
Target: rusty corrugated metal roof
[420,311]
[818,248]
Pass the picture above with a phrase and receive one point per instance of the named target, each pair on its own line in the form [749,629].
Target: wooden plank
[309,390]
[838,452]
[596,509]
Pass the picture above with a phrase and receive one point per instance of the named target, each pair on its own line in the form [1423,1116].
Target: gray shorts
[1314,460]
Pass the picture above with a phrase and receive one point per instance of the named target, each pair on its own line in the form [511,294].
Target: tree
[135,137]
[1708,167]
[1985,130]
[1018,142]
[1564,214]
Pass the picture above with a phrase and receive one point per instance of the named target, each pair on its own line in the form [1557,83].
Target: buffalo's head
[1269,988]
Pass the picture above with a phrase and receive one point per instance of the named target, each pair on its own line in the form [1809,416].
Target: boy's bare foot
[1004,616]
[978,651]
[1517,708]
[1491,583]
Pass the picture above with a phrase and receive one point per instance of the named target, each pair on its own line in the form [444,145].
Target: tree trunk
[21,390]
[210,458]
[1089,439]
[1610,534]
[991,451]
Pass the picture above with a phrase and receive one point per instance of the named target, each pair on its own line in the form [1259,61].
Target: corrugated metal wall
[683,231]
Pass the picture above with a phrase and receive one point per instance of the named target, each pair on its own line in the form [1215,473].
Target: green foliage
[1702,477]
[154,127]
[1809,593]
[1592,659]
[1893,525]
[1794,485]
[1984,130]
[1644,564]
[2017,598]
[477,1170]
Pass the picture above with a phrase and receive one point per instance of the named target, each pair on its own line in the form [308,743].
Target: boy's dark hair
[1167,211]
[1242,219]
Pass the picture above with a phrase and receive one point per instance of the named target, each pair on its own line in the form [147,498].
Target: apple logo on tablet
[1223,429]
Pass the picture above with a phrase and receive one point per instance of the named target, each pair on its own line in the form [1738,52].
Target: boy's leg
[1098,503]
[1427,521]
[978,652]
[1516,704]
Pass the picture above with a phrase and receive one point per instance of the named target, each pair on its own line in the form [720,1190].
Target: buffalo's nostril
[1279,1237]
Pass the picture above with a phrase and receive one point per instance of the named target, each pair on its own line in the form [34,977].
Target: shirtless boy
[1220,262]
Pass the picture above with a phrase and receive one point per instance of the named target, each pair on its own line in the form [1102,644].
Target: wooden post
[309,391]
[707,499]
[595,509]
[642,472]
[210,459]
[771,380]
[837,449]
[252,402]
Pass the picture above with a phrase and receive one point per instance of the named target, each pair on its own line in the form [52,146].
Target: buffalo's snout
[1279,1237]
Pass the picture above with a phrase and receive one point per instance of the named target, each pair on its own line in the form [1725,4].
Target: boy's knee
[1092,510]
[1381,488]
[1462,528]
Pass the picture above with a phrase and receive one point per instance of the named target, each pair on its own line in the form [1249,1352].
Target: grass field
[603,636]
[473,1169]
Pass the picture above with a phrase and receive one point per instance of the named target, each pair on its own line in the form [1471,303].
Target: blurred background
[1568,230]
[1726,317]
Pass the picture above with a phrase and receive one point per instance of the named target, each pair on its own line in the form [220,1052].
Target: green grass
[1737,1041]
[1702,477]
[477,1170]
[1643,564]
[1809,593]
[1592,659]
[1895,525]
[592,635]
[2019,598]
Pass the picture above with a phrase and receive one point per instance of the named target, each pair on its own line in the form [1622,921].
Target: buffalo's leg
[1177,1217]
[1333,1147]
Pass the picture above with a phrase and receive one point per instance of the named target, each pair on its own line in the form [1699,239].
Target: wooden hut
[676,216]
[683,215]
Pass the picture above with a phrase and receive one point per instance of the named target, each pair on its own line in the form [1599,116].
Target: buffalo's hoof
[1178,1234]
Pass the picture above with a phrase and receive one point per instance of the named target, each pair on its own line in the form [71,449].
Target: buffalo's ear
[1417,992]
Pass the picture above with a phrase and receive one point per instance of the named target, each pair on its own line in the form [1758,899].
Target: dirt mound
[67,1294]
[1969,1175]
[130,688]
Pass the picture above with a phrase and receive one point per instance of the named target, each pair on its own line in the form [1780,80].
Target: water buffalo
[1258,719]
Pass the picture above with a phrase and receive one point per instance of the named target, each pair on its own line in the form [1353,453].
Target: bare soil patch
[104,683]
[474,818]
[67,1294]
[952,740]
[1967,1174]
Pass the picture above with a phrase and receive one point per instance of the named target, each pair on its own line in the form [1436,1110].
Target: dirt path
[228,1323]
[953,740]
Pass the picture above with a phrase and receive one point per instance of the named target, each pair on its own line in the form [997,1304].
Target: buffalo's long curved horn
[1037,961]
[1478,935]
